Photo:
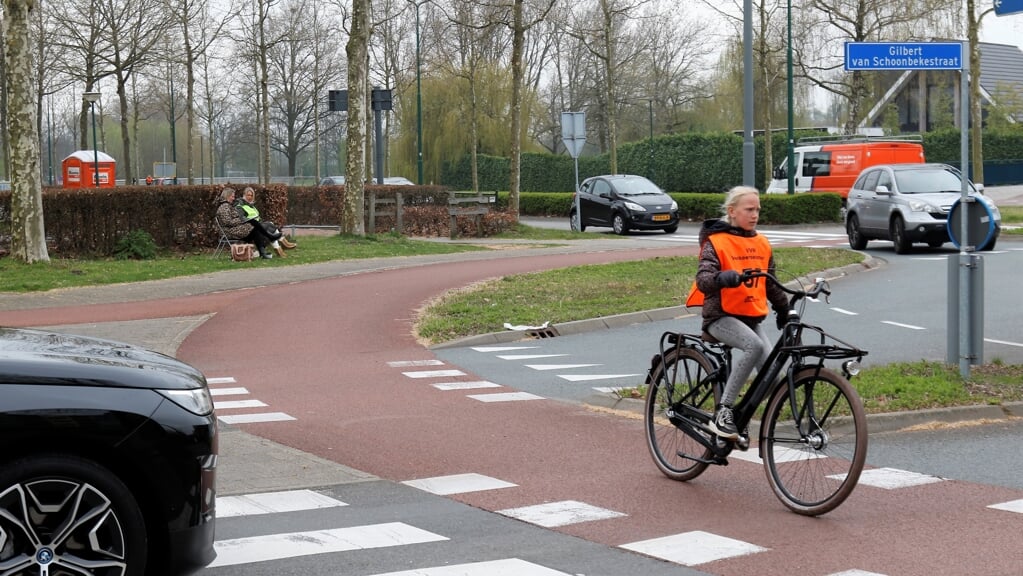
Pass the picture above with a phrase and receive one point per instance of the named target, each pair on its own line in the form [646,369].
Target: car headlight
[674,205]
[196,400]
[634,207]
[920,206]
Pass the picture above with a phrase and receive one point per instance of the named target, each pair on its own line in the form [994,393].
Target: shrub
[136,245]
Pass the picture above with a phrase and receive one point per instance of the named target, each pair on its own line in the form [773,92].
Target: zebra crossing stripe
[434,373]
[228,391]
[458,484]
[591,377]
[412,363]
[273,503]
[465,385]
[505,397]
[295,544]
[507,567]
[554,514]
[226,380]
[255,418]
[1014,506]
[693,548]
[229,404]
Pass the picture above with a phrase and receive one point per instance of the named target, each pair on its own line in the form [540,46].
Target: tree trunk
[976,117]
[28,234]
[518,40]
[357,50]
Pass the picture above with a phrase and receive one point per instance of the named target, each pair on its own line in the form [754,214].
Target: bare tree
[133,29]
[28,235]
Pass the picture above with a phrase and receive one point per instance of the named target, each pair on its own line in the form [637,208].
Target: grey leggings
[754,345]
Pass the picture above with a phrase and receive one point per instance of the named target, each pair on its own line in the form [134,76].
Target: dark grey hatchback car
[623,202]
[109,457]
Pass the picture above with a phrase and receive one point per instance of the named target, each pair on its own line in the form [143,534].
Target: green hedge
[693,207]
[691,162]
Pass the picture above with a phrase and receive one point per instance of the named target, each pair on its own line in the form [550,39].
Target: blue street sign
[904,55]
[1003,7]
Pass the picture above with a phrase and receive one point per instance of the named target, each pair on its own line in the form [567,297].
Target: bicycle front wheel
[813,458]
[681,378]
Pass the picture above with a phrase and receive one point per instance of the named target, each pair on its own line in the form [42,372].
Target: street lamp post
[91,98]
[419,99]
[790,167]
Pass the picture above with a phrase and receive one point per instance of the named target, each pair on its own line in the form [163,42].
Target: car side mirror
[979,187]
[882,189]
[779,174]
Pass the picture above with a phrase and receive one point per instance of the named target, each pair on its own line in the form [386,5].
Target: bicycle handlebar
[820,286]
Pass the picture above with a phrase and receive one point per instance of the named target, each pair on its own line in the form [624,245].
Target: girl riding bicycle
[733,309]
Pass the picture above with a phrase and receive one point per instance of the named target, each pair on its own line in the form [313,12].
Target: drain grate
[548,332]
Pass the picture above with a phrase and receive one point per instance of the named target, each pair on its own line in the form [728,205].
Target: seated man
[237,228]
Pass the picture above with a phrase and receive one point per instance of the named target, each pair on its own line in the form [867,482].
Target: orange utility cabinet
[79,169]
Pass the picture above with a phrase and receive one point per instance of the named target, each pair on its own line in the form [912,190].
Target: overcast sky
[1006,29]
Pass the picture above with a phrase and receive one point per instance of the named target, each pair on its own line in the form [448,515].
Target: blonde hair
[733,197]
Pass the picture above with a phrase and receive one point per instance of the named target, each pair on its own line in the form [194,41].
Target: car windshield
[636,187]
[928,181]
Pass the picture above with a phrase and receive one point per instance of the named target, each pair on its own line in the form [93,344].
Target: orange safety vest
[740,253]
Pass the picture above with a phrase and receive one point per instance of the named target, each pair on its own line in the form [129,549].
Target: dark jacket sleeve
[706,274]
[779,300]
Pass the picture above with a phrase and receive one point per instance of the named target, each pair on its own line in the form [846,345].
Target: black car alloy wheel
[61,515]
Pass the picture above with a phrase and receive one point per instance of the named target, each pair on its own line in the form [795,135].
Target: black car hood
[662,201]
[38,357]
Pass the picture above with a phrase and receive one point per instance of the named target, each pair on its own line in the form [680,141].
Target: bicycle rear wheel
[680,378]
[813,473]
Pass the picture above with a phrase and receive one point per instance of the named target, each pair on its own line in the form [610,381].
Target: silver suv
[908,203]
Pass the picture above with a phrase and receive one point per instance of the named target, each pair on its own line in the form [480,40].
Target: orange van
[831,164]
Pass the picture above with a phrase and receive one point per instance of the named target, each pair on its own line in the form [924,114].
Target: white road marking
[509,567]
[255,418]
[553,514]
[846,312]
[295,544]
[235,404]
[609,389]
[228,391]
[781,455]
[1013,506]
[1003,342]
[558,366]
[900,325]
[892,479]
[465,385]
[506,397]
[273,502]
[693,548]
[226,380]
[458,484]
[590,377]
[501,348]
[434,374]
[529,356]
[411,363]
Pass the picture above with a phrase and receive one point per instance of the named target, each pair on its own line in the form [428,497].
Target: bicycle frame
[786,356]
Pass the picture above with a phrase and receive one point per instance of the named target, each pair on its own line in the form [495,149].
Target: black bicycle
[812,434]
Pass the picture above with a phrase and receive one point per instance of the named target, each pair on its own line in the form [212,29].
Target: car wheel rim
[59,527]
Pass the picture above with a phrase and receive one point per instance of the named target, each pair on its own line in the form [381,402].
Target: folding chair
[225,241]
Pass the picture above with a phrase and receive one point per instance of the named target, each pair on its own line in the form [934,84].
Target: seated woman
[247,205]
[237,228]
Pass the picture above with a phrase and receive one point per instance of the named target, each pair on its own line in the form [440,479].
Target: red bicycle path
[319,351]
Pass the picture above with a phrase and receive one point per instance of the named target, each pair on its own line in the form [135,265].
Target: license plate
[661,217]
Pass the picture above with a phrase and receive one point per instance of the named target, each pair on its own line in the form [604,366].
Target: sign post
[573,134]
[943,56]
